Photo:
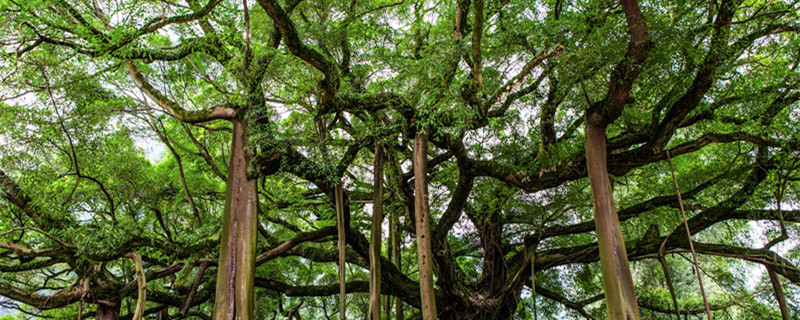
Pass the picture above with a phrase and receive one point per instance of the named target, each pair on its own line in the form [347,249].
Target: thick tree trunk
[617,281]
[236,266]
[107,311]
[375,238]
[422,213]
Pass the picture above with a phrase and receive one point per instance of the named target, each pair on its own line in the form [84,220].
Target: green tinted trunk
[236,266]
[617,281]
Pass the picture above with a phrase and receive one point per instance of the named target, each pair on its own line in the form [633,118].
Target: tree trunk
[422,213]
[617,281]
[375,238]
[236,268]
[163,314]
[395,233]
[395,228]
[397,246]
[779,295]
[342,244]
[670,286]
[107,311]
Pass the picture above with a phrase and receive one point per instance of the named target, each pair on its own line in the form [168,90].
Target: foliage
[320,85]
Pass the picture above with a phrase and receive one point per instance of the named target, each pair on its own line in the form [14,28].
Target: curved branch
[225,112]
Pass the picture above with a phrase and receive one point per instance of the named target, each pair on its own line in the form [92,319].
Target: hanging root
[689,235]
[141,281]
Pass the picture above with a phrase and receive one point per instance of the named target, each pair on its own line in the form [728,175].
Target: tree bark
[236,267]
[396,251]
[395,236]
[617,280]
[107,311]
[342,244]
[779,295]
[375,238]
[163,314]
[141,281]
[423,224]
[670,286]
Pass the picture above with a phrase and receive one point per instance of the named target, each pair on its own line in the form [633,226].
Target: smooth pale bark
[375,238]
[340,221]
[107,311]
[779,295]
[141,283]
[423,225]
[617,280]
[236,266]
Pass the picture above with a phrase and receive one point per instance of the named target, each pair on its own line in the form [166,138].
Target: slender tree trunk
[107,311]
[236,266]
[387,299]
[689,237]
[779,295]
[340,221]
[422,213]
[397,246]
[395,229]
[198,278]
[617,280]
[375,238]
[163,314]
[533,282]
[670,286]
[141,281]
